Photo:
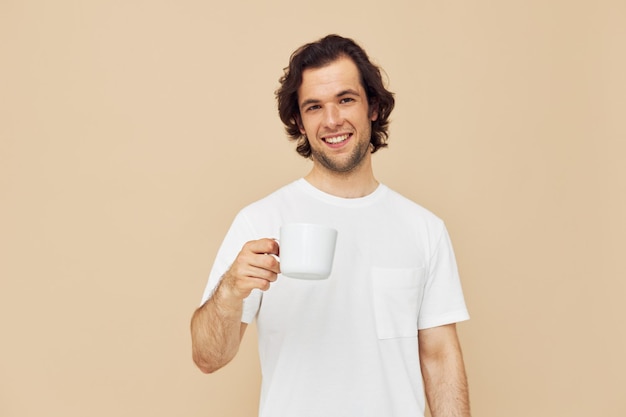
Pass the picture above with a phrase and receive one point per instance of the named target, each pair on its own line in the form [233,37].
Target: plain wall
[131,132]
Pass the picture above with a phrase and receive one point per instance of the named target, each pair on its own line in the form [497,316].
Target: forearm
[216,330]
[447,392]
[445,381]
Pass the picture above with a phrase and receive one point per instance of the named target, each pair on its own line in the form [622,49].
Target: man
[380,331]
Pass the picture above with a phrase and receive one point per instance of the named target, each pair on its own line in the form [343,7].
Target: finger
[261,273]
[244,281]
[262,261]
[260,246]
[256,266]
[269,262]
[261,284]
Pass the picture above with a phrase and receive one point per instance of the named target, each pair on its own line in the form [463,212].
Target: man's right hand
[254,267]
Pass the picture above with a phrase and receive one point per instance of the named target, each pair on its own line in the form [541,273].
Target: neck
[344,185]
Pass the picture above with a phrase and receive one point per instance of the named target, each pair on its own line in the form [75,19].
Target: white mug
[307,250]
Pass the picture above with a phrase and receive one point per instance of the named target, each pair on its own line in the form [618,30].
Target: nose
[332,116]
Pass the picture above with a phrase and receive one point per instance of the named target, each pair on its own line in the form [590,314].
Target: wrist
[226,299]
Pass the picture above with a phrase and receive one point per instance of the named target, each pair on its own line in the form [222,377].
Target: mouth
[334,140]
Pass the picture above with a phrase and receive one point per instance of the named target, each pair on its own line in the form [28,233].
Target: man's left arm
[443,371]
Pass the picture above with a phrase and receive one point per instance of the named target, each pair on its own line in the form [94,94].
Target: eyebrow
[342,93]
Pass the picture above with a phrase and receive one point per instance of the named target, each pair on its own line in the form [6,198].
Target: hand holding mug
[253,268]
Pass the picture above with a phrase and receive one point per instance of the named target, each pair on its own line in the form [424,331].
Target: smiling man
[336,117]
[378,337]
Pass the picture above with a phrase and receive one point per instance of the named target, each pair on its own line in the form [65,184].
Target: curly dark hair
[319,54]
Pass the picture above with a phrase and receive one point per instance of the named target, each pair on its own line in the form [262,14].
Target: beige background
[132,131]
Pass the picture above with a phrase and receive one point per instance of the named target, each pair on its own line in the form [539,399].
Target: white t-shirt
[347,345]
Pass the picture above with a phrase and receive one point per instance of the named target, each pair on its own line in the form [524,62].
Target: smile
[336,139]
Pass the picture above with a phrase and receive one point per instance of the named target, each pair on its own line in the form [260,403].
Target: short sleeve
[443,301]
[238,234]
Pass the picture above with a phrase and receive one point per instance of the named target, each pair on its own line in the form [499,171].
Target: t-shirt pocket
[397,295]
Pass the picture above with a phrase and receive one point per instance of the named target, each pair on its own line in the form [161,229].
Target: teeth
[336,139]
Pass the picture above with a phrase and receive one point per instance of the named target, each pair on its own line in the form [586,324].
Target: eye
[346,100]
[313,107]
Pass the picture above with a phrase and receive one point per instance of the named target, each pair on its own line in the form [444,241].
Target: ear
[373,111]
[298,121]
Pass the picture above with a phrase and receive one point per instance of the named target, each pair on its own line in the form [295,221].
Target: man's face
[335,116]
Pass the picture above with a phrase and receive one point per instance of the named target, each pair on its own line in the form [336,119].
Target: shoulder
[264,216]
[404,205]
[271,201]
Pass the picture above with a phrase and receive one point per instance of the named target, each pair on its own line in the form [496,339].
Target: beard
[342,165]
